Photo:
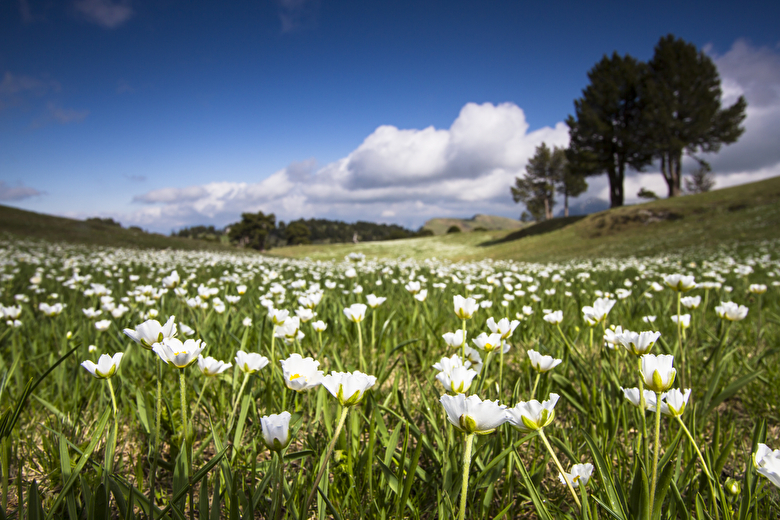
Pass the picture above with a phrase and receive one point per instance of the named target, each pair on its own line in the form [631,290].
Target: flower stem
[695,447]
[560,468]
[680,342]
[642,411]
[657,445]
[501,369]
[463,345]
[113,397]
[183,397]
[158,415]
[360,348]
[202,391]
[279,487]
[536,383]
[466,465]
[305,511]
[235,402]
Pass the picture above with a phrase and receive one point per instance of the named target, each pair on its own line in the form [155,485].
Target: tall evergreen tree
[537,188]
[605,134]
[252,230]
[682,107]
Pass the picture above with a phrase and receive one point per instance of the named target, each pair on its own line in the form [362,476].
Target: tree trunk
[547,209]
[671,166]
[616,186]
[566,204]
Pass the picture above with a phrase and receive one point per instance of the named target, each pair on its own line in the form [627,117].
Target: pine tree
[682,107]
[605,134]
[537,188]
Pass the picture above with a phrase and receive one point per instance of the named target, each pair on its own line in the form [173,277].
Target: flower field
[171,384]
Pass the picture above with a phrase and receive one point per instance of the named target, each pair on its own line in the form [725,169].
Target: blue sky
[171,113]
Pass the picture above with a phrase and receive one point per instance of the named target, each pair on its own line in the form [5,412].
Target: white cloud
[409,175]
[406,175]
[106,13]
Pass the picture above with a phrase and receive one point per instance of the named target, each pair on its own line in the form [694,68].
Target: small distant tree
[701,180]
[252,230]
[646,194]
[537,188]
[570,185]
[454,229]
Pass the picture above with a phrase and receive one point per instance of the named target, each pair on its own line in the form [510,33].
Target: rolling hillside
[439,226]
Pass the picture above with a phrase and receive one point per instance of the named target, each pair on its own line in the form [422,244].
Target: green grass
[740,215]
[27,224]
[439,226]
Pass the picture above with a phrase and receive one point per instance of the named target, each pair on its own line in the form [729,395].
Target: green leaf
[731,390]
[82,462]
[541,509]
[615,496]
[662,487]
[34,507]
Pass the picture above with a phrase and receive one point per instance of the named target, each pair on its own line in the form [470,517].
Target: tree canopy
[546,172]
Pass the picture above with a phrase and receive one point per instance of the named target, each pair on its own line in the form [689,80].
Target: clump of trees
[633,113]
[260,231]
[209,233]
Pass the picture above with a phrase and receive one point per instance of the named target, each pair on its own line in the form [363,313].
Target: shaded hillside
[28,224]
[439,226]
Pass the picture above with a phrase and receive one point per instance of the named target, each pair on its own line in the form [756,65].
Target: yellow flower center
[294,376]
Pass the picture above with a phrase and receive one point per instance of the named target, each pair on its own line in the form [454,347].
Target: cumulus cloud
[403,175]
[407,176]
[14,193]
[106,13]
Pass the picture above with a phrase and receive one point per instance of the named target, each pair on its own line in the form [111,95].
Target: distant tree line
[261,231]
[631,114]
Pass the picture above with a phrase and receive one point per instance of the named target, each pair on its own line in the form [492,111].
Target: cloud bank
[16,193]
[407,176]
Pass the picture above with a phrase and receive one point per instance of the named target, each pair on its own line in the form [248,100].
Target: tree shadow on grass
[546,226]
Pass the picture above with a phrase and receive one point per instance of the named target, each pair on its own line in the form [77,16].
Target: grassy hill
[27,224]
[439,226]
[732,216]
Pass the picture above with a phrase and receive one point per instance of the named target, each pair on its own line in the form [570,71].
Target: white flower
[119,311]
[178,354]
[319,326]
[92,348]
[375,301]
[504,327]
[679,283]
[413,287]
[690,302]
[464,307]
[186,329]
[489,343]
[356,312]
[219,305]
[731,311]
[348,388]
[102,325]
[485,304]
[554,318]
[89,313]
[211,367]
[542,363]
[247,322]
[473,415]
[250,362]
[301,373]
[580,473]
[241,289]
[767,463]
[171,281]
[674,401]
[622,294]
[276,430]
[150,332]
[598,312]
[648,319]
[305,314]
[533,415]
[632,394]
[105,367]
[657,372]
[50,310]
[290,330]
[612,337]
[757,288]
[421,296]
[455,339]
[638,343]
[685,320]
[473,358]
[278,316]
